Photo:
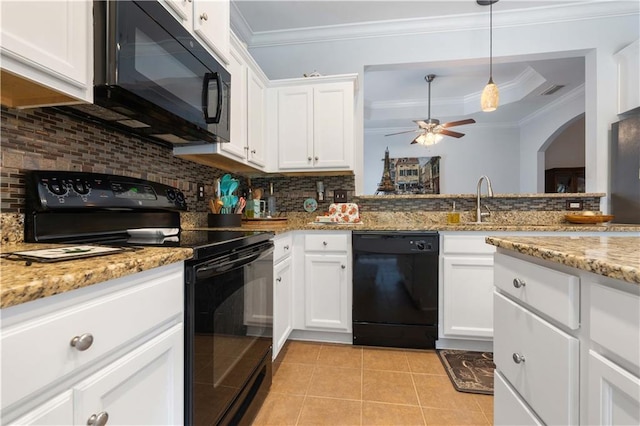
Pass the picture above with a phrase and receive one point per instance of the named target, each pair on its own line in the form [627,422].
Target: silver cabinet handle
[324,243]
[286,247]
[82,342]
[204,16]
[99,419]
[517,358]
[518,283]
[343,266]
[279,279]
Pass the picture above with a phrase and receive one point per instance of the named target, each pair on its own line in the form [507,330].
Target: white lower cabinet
[566,345]
[546,379]
[614,393]
[282,304]
[466,302]
[327,283]
[114,347]
[140,388]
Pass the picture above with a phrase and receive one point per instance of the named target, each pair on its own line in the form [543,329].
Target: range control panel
[60,190]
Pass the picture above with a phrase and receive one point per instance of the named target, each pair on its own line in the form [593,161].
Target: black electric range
[228,282]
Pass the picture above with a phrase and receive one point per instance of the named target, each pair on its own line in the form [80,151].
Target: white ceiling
[396,94]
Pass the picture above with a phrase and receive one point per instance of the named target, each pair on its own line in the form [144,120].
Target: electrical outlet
[339,196]
[574,205]
[200,191]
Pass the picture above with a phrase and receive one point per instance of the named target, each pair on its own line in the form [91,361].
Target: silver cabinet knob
[517,358]
[324,243]
[343,266]
[286,247]
[279,279]
[518,283]
[204,16]
[99,419]
[82,342]
[253,151]
[316,158]
[308,158]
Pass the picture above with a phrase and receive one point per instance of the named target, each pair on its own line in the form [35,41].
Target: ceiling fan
[431,130]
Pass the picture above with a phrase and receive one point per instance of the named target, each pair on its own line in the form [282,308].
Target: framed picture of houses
[409,175]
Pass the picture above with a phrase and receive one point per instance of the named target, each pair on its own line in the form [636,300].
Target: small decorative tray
[581,218]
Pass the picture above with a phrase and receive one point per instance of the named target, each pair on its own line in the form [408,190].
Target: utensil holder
[224,220]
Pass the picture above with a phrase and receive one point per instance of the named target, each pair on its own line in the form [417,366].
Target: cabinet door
[333,125]
[539,360]
[509,408]
[467,296]
[211,23]
[327,280]
[143,387]
[256,124]
[56,411]
[614,393]
[295,128]
[282,304]
[184,10]
[50,43]
[237,146]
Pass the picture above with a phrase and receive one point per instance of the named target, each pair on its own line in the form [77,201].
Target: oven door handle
[216,267]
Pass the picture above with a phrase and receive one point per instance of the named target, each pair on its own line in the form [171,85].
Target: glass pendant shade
[490,97]
[428,138]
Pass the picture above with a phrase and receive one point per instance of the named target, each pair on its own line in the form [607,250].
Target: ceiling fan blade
[451,133]
[423,124]
[400,133]
[458,123]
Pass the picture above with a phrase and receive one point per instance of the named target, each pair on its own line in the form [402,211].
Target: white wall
[596,39]
[487,150]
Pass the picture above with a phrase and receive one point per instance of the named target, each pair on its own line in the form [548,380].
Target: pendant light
[490,95]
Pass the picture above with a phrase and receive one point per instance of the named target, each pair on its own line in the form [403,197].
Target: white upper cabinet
[315,123]
[46,52]
[629,77]
[208,20]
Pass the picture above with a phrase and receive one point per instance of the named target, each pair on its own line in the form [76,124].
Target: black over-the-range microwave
[153,78]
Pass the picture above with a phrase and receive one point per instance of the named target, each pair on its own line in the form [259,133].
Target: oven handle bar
[218,266]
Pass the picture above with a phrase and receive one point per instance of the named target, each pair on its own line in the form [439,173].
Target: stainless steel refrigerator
[625,170]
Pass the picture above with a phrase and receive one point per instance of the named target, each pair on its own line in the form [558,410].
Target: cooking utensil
[240,206]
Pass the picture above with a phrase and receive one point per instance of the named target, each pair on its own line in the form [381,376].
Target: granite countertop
[613,257]
[21,283]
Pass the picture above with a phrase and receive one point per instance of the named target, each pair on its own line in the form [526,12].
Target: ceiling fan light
[428,138]
[490,97]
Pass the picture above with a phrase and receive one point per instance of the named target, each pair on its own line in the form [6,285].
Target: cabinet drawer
[546,376]
[283,245]
[551,292]
[326,242]
[37,351]
[615,318]
[509,409]
[466,244]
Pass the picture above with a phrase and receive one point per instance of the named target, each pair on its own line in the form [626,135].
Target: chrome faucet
[479,213]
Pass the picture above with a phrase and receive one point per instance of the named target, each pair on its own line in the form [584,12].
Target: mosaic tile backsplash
[45,139]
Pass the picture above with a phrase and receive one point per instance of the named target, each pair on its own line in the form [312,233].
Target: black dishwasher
[395,289]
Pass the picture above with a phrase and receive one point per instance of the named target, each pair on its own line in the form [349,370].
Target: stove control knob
[81,187]
[420,245]
[171,195]
[57,187]
[180,197]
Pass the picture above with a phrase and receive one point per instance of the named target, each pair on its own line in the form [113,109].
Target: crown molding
[594,9]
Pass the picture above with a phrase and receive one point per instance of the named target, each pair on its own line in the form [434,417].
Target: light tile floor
[330,384]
